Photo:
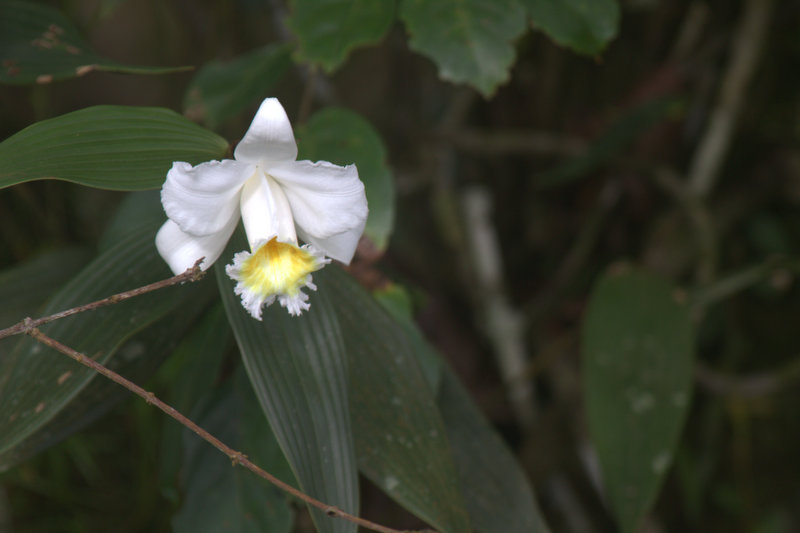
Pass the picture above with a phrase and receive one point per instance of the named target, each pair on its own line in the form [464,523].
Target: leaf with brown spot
[38,44]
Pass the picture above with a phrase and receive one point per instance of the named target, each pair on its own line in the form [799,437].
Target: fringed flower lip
[279,199]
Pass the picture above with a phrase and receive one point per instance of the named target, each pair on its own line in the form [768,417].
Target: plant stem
[30,327]
[235,457]
[194,273]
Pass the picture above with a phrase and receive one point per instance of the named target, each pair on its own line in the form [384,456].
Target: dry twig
[30,327]
[748,41]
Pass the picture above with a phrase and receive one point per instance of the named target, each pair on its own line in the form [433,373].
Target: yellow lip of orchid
[275,270]
[278,199]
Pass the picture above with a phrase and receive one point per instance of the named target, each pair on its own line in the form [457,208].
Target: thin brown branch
[504,142]
[30,327]
[503,323]
[237,458]
[747,44]
[193,273]
[749,386]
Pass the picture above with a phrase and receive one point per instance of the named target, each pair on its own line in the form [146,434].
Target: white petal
[202,199]
[266,212]
[341,246]
[180,250]
[269,138]
[326,199]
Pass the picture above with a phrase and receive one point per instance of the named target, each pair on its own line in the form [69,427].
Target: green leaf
[220,90]
[397,301]
[220,496]
[298,369]
[188,376]
[138,210]
[496,490]
[328,30]
[469,40]
[637,373]
[400,437]
[37,383]
[343,137]
[109,147]
[137,359]
[24,288]
[38,44]
[586,26]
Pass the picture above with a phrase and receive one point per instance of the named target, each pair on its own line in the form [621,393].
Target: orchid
[279,199]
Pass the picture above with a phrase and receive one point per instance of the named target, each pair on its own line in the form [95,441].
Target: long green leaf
[25,287]
[637,374]
[109,147]
[37,383]
[496,490]
[38,44]
[138,210]
[329,29]
[137,359]
[219,496]
[188,376]
[396,300]
[469,40]
[400,438]
[343,137]
[298,369]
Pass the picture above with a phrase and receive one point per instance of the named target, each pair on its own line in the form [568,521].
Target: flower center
[277,268]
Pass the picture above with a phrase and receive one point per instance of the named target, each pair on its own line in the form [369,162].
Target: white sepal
[270,138]
[181,250]
[341,247]
[326,199]
[202,199]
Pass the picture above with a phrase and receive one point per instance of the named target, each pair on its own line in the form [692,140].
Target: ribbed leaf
[637,373]
[585,26]
[219,496]
[220,90]
[329,29]
[109,147]
[36,383]
[469,40]
[343,137]
[400,439]
[298,369]
[38,44]
[496,490]
[138,210]
[137,359]
[396,300]
[24,288]
[188,376]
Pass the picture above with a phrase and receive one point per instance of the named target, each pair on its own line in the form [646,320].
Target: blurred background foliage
[576,163]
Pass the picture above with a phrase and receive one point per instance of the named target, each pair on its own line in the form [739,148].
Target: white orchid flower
[279,199]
